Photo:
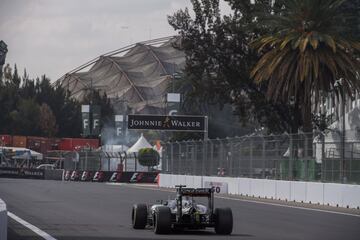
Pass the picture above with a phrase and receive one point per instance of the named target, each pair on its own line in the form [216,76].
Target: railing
[308,157]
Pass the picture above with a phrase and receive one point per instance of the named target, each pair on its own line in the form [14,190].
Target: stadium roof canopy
[138,74]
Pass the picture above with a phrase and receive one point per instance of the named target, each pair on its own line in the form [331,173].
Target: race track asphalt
[80,210]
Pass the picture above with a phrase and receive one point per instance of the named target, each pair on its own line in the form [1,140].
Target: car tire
[139,216]
[223,221]
[162,220]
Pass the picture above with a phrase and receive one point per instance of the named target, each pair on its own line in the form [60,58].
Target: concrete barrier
[233,184]
[198,181]
[257,187]
[315,192]
[351,196]
[244,186]
[167,180]
[269,188]
[333,194]
[56,174]
[342,195]
[189,181]
[298,191]
[283,190]
[3,220]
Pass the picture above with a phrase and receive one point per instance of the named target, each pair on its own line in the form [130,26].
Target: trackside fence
[307,157]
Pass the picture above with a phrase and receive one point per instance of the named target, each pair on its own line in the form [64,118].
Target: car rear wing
[195,192]
[181,191]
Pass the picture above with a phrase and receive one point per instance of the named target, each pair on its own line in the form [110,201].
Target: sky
[53,37]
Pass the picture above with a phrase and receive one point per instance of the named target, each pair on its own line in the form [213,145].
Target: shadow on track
[22,235]
[155,237]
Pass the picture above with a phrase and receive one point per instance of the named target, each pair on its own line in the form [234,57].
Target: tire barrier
[111,176]
[7,172]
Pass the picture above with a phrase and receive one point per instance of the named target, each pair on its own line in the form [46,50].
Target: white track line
[36,230]
[264,203]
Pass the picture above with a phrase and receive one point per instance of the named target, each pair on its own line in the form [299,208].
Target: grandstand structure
[137,75]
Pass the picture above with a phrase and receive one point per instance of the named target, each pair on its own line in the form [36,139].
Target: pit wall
[333,194]
[3,221]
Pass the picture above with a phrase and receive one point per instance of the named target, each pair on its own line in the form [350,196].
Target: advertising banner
[96,115]
[119,125]
[111,176]
[219,187]
[167,123]
[85,113]
[7,172]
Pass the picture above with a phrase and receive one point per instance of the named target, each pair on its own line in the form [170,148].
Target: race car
[183,212]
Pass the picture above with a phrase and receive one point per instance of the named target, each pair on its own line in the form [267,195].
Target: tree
[16,78]
[47,121]
[219,60]
[16,92]
[9,97]
[310,48]
[25,119]
[148,157]
[97,98]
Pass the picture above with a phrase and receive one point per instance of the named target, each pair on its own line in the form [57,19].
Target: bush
[148,157]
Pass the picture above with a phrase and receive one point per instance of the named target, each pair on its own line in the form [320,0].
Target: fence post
[263,157]
[350,162]
[179,164]
[251,158]
[240,158]
[306,156]
[230,157]
[323,159]
[291,158]
[194,159]
[172,158]
[211,170]
[204,156]
[221,158]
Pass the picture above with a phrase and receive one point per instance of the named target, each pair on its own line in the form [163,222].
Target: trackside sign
[169,123]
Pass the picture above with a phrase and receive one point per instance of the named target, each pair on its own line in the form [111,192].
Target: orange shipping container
[19,141]
[5,140]
[73,144]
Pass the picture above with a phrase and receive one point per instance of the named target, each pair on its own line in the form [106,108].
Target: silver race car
[183,212]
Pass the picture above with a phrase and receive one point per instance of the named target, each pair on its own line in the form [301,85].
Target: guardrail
[3,220]
[332,194]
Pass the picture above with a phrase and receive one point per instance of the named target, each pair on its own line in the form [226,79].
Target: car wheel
[223,221]
[139,216]
[162,220]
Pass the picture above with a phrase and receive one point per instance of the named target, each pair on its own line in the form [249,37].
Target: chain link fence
[307,157]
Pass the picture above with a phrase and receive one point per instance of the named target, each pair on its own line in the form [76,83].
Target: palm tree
[310,48]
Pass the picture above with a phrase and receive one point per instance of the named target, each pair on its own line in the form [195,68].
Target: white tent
[114,148]
[140,143]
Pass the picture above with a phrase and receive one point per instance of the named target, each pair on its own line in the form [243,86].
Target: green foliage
[308,50]
[36,107]
[219,60]
[148,157]
[25,118]
[47,121]
[300,45]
